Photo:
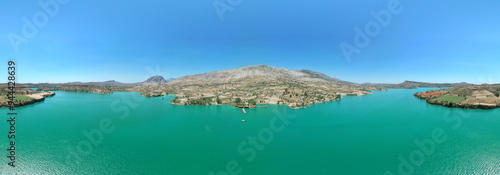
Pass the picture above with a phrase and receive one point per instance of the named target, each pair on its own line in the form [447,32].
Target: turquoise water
[356,135]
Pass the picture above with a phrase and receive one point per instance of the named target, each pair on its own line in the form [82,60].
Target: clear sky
[127,41]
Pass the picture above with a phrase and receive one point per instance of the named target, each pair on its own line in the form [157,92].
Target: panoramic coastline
[395,116]
[261,84]
[234,87]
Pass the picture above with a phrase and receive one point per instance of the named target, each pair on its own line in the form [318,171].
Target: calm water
[371,134]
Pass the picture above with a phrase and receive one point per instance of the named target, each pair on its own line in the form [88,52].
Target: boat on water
[244,110]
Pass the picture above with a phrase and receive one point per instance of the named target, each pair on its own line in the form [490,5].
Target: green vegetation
[252,102]
[462,92]
[448,98]
[20,98]
[218,100]
[201,101]
[484,96]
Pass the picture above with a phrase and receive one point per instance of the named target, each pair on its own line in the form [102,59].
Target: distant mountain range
[247,75]
[152,81]
[415,84]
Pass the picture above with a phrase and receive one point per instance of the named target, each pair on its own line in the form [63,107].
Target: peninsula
[23,96]
[469,97]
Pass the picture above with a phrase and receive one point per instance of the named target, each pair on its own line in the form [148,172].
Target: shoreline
[455,105]
[39,97]
[258,105]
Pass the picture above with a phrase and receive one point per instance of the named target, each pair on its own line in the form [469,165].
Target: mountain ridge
[256,72]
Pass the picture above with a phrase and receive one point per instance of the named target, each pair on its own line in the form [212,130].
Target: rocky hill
[256,73]
[154,81]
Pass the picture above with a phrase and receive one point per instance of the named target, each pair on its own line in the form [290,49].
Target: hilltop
[255,73]
[154,80]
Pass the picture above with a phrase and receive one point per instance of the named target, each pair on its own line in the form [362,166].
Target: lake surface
[388,132]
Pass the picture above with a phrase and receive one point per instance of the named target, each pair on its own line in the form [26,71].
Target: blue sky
[432,41]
